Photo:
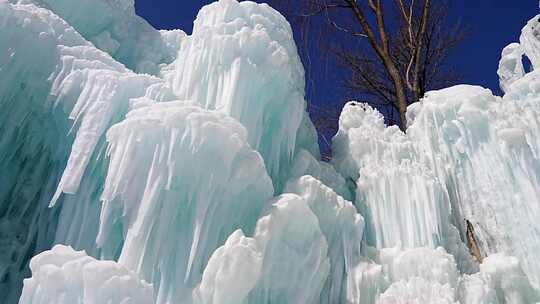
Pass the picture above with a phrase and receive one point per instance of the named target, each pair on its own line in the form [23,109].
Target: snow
[145,166]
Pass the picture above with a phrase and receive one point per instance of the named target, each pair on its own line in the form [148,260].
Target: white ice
[231,40]
[187,169]
[65,276]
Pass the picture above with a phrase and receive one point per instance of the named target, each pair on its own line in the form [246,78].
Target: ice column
[242,60]
[195,181]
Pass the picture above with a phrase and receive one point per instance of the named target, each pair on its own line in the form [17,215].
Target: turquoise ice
[146,166]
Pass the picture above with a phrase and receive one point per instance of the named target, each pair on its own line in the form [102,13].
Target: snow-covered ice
[65,276]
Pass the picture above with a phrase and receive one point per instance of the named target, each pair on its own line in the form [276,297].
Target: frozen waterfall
[146,166]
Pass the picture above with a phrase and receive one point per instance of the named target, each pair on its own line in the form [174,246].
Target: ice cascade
[146,166]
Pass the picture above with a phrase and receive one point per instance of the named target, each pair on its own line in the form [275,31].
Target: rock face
[145,166]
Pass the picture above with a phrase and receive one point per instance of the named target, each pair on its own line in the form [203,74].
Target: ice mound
[425,275]
[81,94]
[202,184]
[306,239]
[288,249]
[231,273]
[417,290]
[342,227]
[65,276]
[419,275]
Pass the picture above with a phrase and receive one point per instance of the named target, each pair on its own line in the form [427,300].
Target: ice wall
[57,116]
[467,156]
[391,187]
[202,184]
[488,164]
[55,108]
[33,155]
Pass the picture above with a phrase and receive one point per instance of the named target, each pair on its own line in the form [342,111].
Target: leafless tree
[400,47]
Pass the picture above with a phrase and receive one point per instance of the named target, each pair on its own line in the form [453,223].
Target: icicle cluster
[145,166]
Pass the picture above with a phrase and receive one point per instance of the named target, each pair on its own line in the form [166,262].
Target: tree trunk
[399,86]
[402,106]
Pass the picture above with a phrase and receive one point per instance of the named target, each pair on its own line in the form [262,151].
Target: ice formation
[145,166]
[511,65]
[230,41]
[113,26]
[64,276]
[165,197]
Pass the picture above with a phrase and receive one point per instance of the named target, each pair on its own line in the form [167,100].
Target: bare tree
[403,46]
